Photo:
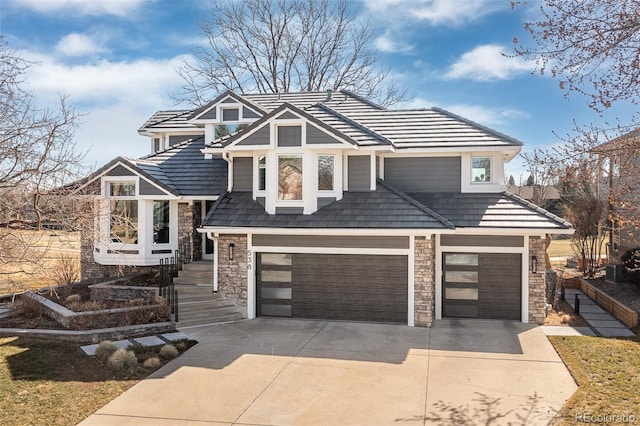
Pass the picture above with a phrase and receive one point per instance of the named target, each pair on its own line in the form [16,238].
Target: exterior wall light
[231,246]
[534,264]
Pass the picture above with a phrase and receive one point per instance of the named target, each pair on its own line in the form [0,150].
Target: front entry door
[207,244]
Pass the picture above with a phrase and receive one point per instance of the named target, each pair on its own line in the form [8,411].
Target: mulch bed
[565,316]
[625,293]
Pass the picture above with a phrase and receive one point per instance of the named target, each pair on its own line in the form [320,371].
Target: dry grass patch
[52,383]
[607,372]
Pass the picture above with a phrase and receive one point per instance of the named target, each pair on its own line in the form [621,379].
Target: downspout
[214,237]
[225,157]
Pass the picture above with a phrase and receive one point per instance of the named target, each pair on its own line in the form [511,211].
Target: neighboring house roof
[621,142]
[383,208]
[484,210]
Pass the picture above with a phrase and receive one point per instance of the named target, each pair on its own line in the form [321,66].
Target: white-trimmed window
[262,173]
[326,172]
[123,212]
[480,169]
[161,222]
[290,177]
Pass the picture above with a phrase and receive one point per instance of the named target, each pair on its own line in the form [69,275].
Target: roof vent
[329,94]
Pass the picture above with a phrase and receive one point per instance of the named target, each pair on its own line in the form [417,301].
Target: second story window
[481,169]
[262,173]
[290,177]
[230,114]
[325,172]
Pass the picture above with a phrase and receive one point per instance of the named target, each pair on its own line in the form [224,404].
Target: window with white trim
[326,172]
[123,212]
[480,169]
[290,177]
[161,222]
[262,173]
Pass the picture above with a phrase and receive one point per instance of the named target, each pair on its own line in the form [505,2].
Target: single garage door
[482,285]
[332,286]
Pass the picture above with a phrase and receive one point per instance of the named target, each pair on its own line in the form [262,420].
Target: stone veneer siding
[232,274]
[537,282]
[424,281]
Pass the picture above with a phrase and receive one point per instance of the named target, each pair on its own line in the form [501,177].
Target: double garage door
[482,285]
[332,286]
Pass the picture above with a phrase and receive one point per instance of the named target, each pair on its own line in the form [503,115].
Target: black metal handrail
[169,268]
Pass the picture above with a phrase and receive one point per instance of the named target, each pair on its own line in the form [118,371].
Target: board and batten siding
[423,174]
[316,136]
[390,242]
[243,174]
[260,137]
[359,176]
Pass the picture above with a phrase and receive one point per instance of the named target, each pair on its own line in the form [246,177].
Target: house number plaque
[249,259]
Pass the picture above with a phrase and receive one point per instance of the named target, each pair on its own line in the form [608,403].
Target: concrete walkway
[600,321]
[300,372]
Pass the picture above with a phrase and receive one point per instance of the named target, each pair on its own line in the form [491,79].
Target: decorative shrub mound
[122,359]
[168,352]
[105,349]
[631,262]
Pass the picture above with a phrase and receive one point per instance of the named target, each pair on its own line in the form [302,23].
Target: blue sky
[116,61]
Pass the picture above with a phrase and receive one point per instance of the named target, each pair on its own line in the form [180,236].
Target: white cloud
[76,44]
[436,12]
[82,7]
[117,98]
[385,43]
[486,63]
[143,82]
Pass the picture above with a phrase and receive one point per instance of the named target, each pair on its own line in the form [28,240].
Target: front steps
[197,304]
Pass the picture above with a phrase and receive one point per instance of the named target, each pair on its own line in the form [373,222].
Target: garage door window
[461,276]
[461,293]
[277,259]
[461,259]
[276,276]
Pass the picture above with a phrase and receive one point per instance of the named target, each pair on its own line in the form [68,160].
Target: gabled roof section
[383,208]
[629,140]
[153,176]
[227,94]
[260,123]
[339,100]
[491,210]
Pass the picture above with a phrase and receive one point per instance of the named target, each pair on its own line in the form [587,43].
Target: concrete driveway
[299,372]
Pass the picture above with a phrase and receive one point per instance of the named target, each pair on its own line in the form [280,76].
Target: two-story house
[326,205]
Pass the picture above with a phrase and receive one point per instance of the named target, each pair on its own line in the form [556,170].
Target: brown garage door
[482,285]
[332,286]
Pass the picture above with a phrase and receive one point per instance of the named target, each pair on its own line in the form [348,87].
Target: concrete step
[193,280]
[196,274]
[206,305]
[200,265]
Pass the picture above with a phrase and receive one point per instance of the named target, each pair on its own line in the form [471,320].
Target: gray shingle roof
[501,210]
[383,208]
[174,119]
[184,168]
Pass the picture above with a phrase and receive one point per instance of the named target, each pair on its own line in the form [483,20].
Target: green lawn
[53,383]
[607,372]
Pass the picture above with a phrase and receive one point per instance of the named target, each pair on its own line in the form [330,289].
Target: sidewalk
[600,321]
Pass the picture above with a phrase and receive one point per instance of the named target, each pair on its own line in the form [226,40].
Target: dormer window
[290,177]
[481,170]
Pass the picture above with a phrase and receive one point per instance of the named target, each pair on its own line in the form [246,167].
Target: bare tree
[272,46]
[591,46]
[37,153]
[542,174]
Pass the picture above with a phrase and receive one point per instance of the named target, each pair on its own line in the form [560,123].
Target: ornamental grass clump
[169,352]
[152,363]
[104,350]
[122,359]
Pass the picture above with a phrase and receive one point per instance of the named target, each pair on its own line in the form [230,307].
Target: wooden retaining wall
[615,308]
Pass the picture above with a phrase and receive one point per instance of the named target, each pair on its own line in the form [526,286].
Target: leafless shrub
[26,307]
[66,269]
